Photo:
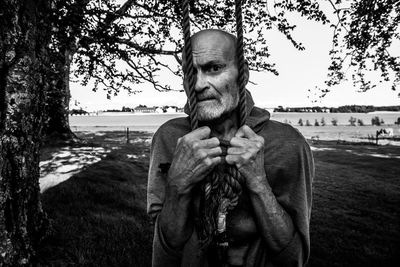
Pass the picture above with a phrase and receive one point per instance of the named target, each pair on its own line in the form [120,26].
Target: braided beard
[219,193]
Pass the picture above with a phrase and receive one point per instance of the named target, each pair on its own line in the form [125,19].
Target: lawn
[98,216]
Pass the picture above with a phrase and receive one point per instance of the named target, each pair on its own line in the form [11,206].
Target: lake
[150,123]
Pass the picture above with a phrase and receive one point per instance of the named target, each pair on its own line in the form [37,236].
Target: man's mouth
[205,98]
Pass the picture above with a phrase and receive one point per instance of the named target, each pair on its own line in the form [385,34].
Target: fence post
[127,135]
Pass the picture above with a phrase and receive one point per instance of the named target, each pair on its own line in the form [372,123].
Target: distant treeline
[78,112]
[341,109]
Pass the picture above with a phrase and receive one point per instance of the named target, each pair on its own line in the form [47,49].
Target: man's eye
[214,68]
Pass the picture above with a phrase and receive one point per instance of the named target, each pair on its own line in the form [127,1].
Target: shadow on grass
[99,219]
[356,208]
[98,216]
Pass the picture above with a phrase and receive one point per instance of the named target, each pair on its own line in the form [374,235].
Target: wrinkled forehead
[213,45]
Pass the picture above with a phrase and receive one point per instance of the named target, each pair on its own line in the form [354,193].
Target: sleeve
[160,158]
[293,190]
[161,154]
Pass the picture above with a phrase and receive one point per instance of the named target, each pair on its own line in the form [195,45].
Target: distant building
[142,109]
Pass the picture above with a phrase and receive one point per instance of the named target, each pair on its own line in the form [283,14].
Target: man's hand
[195,156]
[247,153]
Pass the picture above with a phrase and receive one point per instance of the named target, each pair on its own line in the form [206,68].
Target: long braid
[223,186]
[241,62]
[189,65]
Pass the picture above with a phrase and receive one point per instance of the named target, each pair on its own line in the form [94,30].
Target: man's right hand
[195,156]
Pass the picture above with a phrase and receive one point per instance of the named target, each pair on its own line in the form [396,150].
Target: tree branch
[111,17]
[338,16]
[146,49]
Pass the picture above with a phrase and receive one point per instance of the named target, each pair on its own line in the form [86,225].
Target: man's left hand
[247,153]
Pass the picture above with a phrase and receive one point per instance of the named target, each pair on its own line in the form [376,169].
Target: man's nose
[201,82]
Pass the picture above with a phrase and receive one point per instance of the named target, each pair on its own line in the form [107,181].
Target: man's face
[215,75]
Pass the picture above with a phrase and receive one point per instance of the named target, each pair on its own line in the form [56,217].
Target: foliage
[280,109]
[323,123]
[340,109]
[300,122]
[78,112]
[308,123]
[316,123]
[363,109]
[364,34]
[287,121]
[119,45]
[334,122]
[352,121]
[360,122]
[376,121]
[127,109]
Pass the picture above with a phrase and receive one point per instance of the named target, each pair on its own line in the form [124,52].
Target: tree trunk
[24,38]
[56,127]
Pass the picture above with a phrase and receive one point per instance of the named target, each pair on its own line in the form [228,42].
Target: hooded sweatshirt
[289,169]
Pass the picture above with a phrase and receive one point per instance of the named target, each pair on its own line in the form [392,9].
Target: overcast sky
[299,71]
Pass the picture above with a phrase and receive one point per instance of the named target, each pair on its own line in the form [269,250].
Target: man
[269,226]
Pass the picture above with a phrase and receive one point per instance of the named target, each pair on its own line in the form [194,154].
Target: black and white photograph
[200,133]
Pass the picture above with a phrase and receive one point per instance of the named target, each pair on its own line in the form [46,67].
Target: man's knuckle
[195,145]
[185,139]
[259,145]
[207,162]
[201,154]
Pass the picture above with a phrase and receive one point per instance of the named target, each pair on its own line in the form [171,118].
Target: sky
[298,72]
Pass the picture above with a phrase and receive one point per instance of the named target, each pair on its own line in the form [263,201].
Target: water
[151,122]
[119,122]
[389,118]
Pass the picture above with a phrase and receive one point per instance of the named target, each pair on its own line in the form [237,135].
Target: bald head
[214,39]
[215,74]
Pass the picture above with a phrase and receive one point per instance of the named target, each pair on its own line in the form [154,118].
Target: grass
[356,209]
[98,216]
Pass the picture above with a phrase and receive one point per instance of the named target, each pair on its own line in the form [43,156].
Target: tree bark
[56,127]
[24,39]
